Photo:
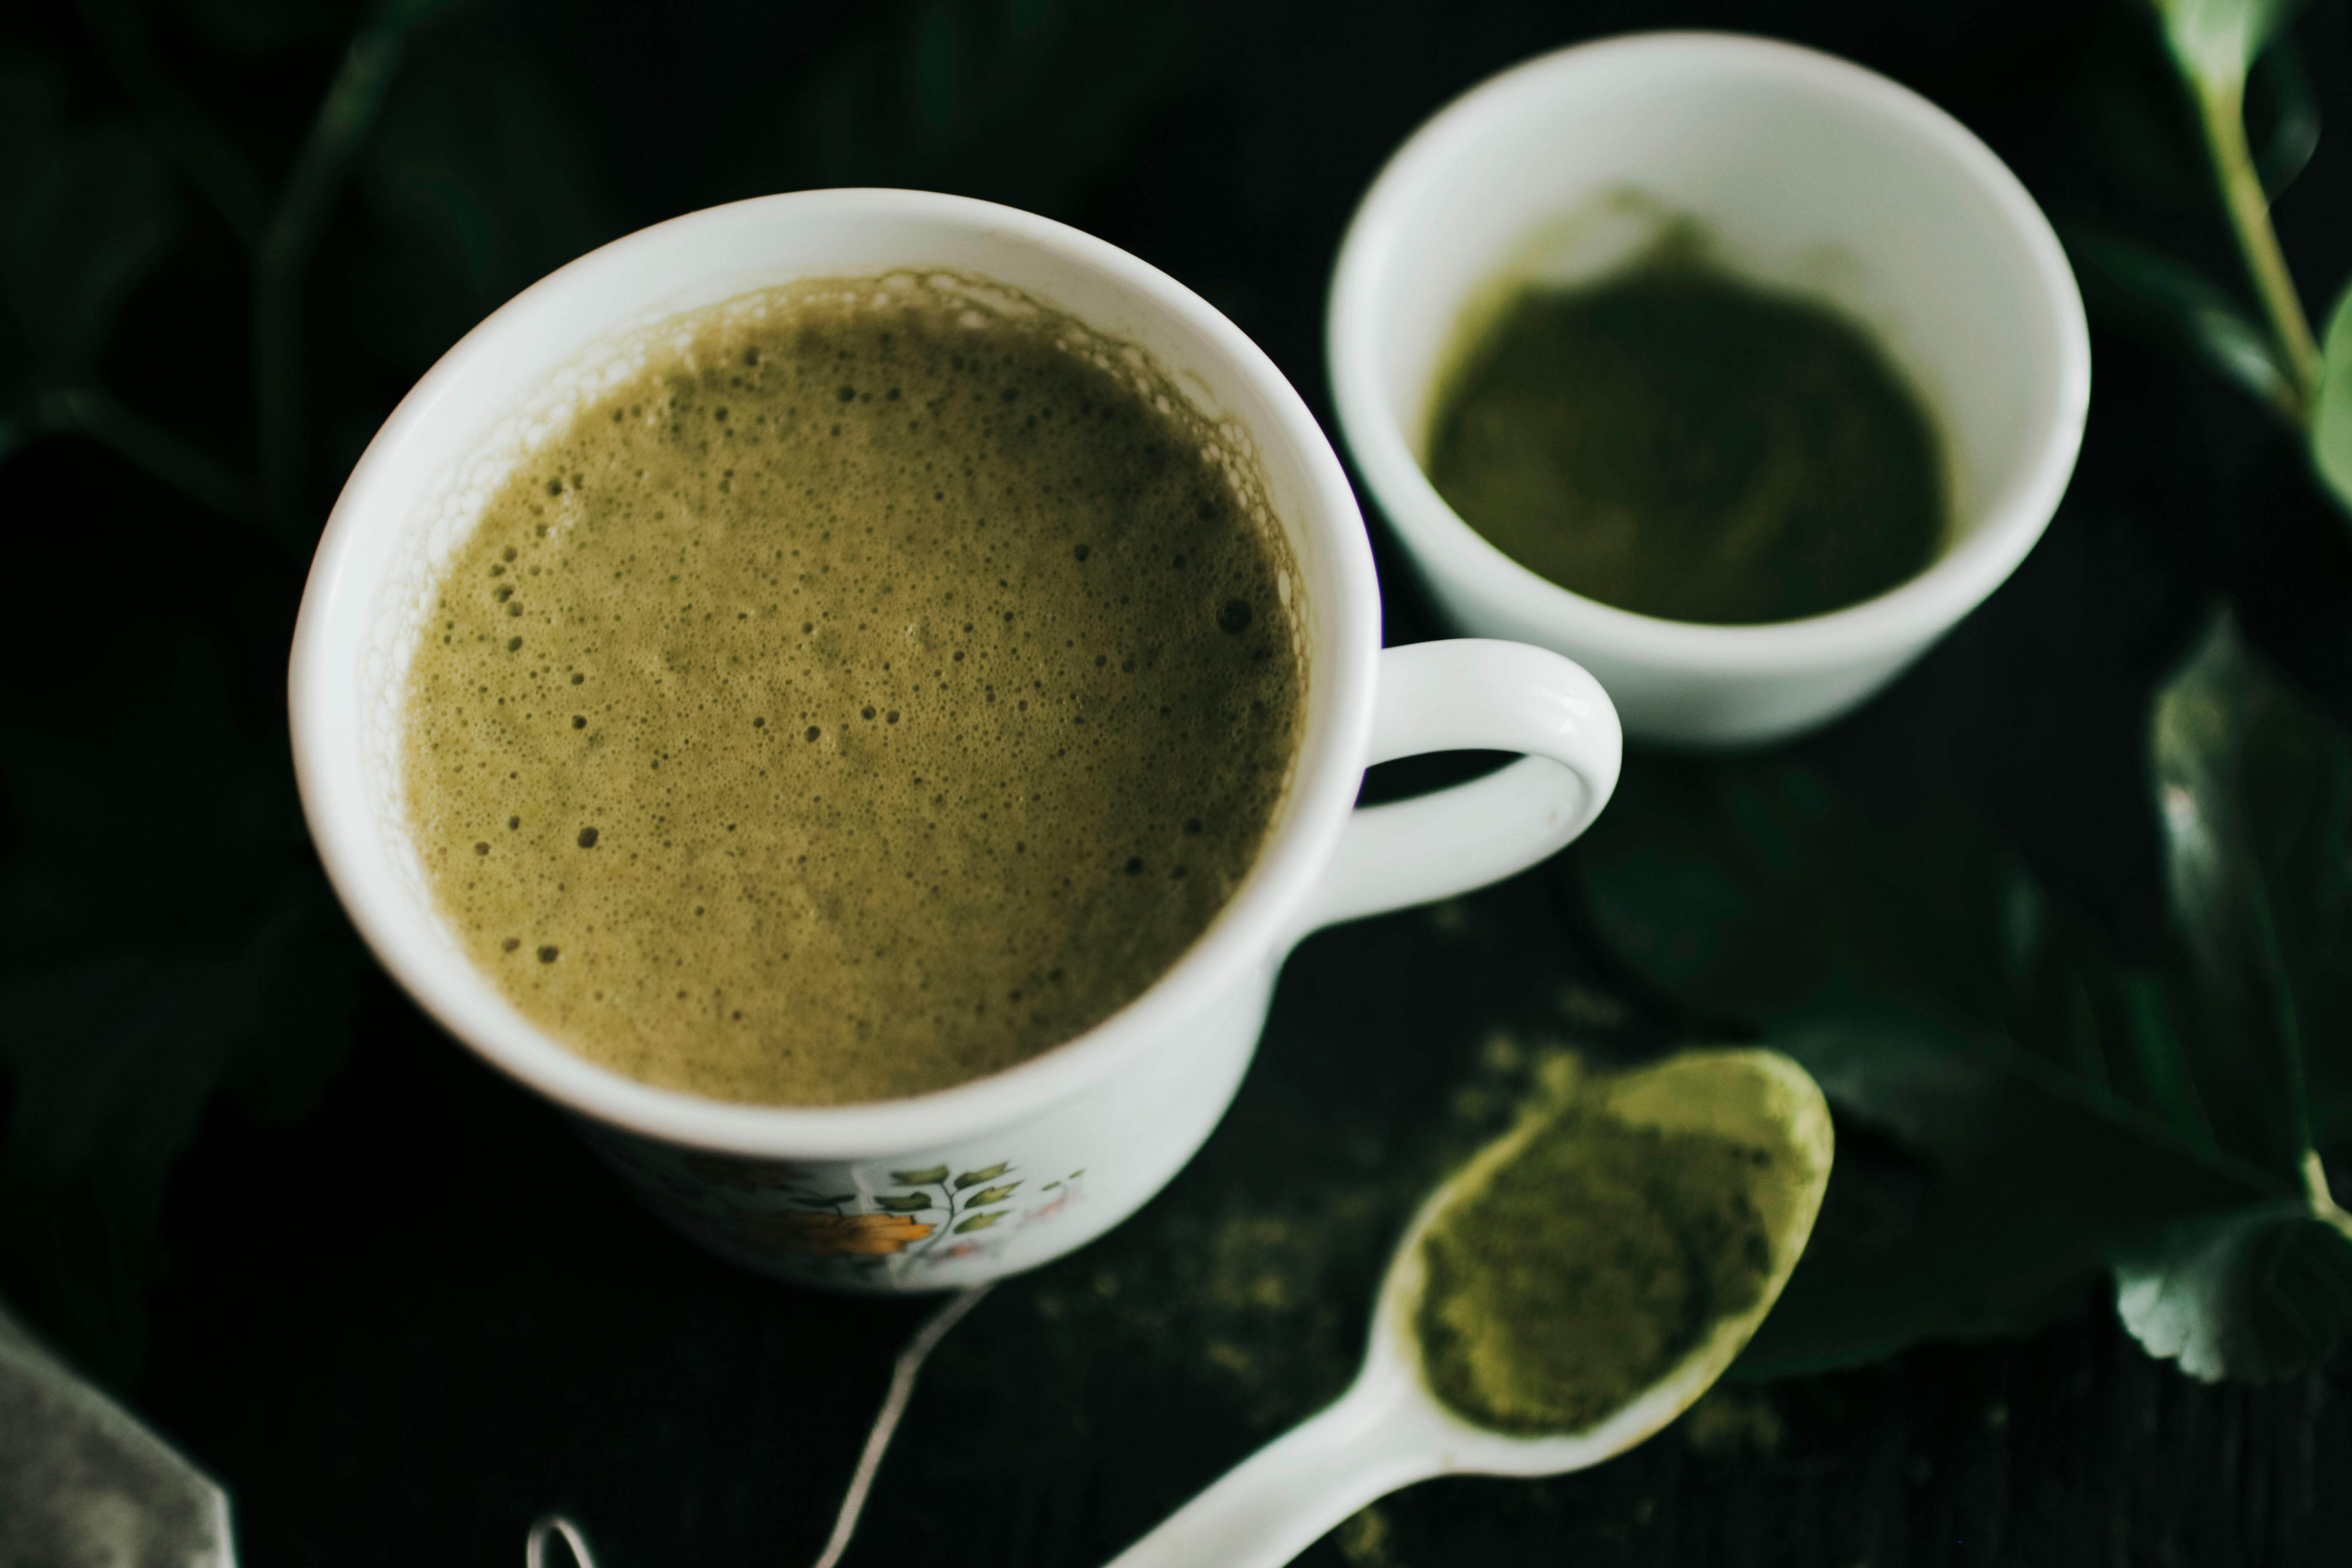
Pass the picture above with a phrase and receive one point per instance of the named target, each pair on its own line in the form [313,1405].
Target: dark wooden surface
[401,1322]
[405,1327]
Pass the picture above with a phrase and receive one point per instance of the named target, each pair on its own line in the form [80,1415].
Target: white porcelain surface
[1802,171]
[890,1195]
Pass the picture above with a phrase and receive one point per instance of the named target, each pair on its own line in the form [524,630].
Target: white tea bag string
[886,1422]
[870,1463]
[535,1546]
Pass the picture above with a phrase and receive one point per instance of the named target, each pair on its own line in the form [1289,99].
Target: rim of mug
[1953,584]
[1255,926]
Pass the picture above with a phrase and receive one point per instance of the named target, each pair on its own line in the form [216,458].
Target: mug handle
[1474,694]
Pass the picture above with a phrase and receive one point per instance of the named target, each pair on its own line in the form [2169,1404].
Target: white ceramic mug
[992,1176]
[1800,171]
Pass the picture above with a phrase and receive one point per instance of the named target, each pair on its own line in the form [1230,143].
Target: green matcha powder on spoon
[1572,1289]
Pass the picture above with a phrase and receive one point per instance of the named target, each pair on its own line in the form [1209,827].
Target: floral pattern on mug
[964,1202]
[800,1219]
[828,1235]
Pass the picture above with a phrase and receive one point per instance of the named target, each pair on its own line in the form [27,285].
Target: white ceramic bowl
[1804,173]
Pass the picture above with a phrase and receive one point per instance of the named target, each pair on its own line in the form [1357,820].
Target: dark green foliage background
[391,1301]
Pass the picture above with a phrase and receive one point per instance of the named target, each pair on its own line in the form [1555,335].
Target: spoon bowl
[1389,1430]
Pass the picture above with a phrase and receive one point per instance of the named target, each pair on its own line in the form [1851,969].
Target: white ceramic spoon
[1388,1430]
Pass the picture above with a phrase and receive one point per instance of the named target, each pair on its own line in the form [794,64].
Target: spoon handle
[1279,1501]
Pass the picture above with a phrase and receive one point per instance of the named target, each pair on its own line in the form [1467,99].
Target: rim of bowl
[1253,929]
[1951,585]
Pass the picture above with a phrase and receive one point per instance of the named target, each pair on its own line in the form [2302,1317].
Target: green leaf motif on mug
[993,1194]
[973,1178]
[978,1222]
[902,1202]
[922,1178]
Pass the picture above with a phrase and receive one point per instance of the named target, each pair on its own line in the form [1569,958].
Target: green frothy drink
[880,686]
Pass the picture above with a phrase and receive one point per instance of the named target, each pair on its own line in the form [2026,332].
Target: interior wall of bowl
[1800,178]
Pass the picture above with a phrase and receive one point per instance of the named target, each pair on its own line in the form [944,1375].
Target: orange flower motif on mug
[840,1235]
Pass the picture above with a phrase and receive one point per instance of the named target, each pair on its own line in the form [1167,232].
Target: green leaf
[1881,935]
[2036,1103]
[2254,790]
[478,184]
[973,1178]
[974,96]
[2217,41]
[2173,297]
[993,1194]
[211,160]
[2294,132]
[1976,1193]
[1752,890]
[261,26]
[978,1221]
[2331,410]
[904,1203]
[2257,1295]
[922,1178]
[77,881]
[86,214]
[148,976]
[407,16]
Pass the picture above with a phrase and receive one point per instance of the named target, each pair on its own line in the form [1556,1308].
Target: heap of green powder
[1587,1265]
[1678,442]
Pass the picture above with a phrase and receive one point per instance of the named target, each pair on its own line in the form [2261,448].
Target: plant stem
[2223,109]
[186,467]
[2323,1206]
[282,261]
